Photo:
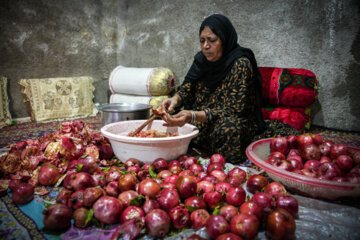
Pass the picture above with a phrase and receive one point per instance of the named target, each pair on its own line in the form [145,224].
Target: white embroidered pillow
[5,117]
[59,98]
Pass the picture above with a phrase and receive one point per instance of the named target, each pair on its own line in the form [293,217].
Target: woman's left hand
[177,120]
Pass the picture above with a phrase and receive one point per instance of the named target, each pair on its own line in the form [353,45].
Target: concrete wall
[72,38]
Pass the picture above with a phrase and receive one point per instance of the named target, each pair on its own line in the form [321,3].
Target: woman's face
[210,44]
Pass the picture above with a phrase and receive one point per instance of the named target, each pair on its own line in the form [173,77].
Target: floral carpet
[25,222]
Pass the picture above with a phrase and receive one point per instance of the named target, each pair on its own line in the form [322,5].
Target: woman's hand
[170,104]
[177,120]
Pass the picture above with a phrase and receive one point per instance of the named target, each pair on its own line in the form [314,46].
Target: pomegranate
[204,187]
[338,149]
[213,199]
[292,140]
[78,181]
[344,162]
[79,216]
[223,187]
[310,151]
[167,185]
[127,182]
[107,209]
[210,178]
[199,218]
[186,172]
[186,186]
[157,223]
[356,157]
[49,174]
[324,149]
[132,212]
[126,197]
[314,164]
[131,162]
[238,173]
[280,224]
[159,164]
[217,158]
[304,139]
[190,161]
[64,197]
[216,225]
[23,193]
[245,225]
[174,163]
[234,181]
[256,183]
[92,194]
[112,189]
[114,174]
[214,166]
[265,200]
[293,152]
[289,203]
[276,189]
[296,163]
[77,199]
[219,174]
[284,165]
[329,170]
[99,178]
[253,208]
[129,230]
[134,169]
[196,169]
[228,236]
[57,217]
[149,187]
[150,204]
[105,151]
[175,169]
[236,196]
[228,212]
[164,174]
[171,179]
[88,164]
[180,217]
[168,199]
[279,144]
[195,202]
[278,155]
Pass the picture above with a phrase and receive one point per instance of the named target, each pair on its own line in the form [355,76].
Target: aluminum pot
[116,112]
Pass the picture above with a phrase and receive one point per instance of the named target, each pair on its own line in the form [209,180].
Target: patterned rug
[25,221]
[21,131]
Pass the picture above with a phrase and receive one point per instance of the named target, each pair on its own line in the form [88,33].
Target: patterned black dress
[230,111]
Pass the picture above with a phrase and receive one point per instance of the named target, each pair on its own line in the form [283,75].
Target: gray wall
[89,37]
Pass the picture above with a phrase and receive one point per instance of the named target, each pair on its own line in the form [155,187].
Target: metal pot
[115,112]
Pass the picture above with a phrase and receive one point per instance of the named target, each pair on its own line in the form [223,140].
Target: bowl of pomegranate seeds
[154,141]
[309,165]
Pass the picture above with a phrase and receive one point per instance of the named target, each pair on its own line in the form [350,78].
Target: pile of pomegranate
[310,155]
[158,199]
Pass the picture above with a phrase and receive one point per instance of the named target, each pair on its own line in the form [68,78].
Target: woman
[221,93]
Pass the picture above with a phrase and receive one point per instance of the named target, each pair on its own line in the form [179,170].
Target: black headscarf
[213,73]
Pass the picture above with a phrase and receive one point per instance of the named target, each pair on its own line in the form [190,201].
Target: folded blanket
[293,87]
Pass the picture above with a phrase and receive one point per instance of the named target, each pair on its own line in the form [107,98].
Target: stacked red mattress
[287,94]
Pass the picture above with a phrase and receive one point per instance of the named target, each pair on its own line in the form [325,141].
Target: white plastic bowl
[258,151]
[148,149]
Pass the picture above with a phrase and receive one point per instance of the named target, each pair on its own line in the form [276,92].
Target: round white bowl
[258,151]
[148,149]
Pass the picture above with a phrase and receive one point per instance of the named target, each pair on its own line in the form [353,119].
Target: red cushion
[297,117]
[294,87]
